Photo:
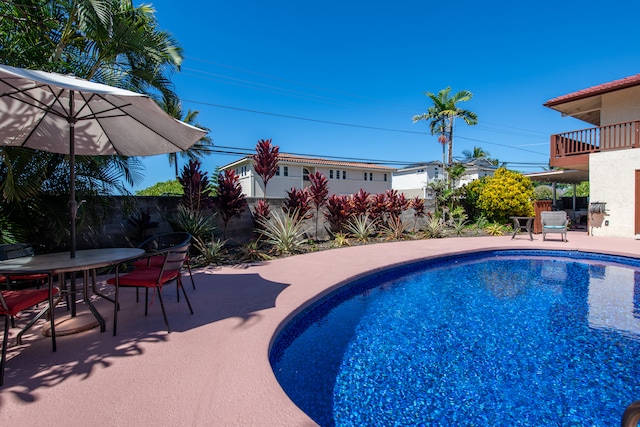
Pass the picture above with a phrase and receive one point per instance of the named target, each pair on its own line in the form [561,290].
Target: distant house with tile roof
[414,179]
[608,152]
[345,178]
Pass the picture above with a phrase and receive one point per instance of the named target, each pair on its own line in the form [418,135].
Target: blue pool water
[506,338]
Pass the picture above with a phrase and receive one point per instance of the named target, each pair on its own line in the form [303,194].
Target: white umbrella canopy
[67,115]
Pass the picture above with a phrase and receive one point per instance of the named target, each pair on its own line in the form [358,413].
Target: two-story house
[414,179]
[345,178]
[608,151]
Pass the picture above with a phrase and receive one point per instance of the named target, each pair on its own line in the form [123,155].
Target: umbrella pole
[73,205]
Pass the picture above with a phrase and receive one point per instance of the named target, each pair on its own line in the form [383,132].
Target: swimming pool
[490,339]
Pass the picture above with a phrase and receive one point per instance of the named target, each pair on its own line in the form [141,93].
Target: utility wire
[287,116]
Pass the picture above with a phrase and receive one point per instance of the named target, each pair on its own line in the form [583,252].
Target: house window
[285,170]
[330,173]
[385,177]
[435,176]
[365,176]
[305,174]
[370,176]
[344,174]
[278,171]
[337,174]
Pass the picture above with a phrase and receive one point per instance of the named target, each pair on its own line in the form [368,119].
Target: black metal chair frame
[174,259]
[162,241]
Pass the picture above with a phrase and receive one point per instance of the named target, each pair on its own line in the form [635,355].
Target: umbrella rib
[121,108]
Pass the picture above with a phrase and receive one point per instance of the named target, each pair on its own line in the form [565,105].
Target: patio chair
[554,222]
[12,303]
[20,281]
[162,241]
[153,278]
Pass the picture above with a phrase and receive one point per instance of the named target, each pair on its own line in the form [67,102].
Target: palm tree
[198,150]
[477,153]
[442,114]
[106,41]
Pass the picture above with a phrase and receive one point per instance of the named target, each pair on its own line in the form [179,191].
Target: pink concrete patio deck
[213,369]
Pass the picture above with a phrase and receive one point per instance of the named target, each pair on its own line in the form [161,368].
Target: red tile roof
[324,162]
[596,90]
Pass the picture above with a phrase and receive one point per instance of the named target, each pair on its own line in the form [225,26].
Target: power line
[287,116]
[527,132]
[246,151]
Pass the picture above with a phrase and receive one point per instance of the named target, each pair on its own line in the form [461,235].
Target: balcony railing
[612,137]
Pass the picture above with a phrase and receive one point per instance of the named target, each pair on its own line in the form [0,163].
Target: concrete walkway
[213,369]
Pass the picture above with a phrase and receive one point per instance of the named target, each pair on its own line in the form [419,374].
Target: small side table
[524,223]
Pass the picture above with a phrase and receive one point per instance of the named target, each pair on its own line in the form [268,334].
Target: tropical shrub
[261,210]
[360,227]
[361,202]
[140,223]
[459,224]
[341,239]
[378,208]
[166,188]
[230,200]
[212,250]
[419,210]
[506,194]
[434,227]
[338,211]
[251,251]
[284,232]
[196,189]
[396,203]
[265,161]
[394,229]
[319,192]
[197,223]
[495,229]
[469,195]
[480,224]
[298,202]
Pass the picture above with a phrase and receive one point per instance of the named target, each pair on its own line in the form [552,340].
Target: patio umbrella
[67,115]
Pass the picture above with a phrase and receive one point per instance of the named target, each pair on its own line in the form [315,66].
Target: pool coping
[214,368]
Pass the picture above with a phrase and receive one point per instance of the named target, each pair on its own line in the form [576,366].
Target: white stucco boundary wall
[612,180]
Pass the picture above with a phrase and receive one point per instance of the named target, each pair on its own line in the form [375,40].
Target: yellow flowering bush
[506,194]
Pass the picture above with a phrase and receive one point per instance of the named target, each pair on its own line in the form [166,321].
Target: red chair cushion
[155,261]
[25,277]
[20,300]
[144,278]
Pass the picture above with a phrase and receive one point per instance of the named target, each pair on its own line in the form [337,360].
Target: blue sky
[344,78]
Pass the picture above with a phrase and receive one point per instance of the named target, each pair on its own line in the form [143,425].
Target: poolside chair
[149,277]
[162,241]
[19,281]
[554,222]
[12,303]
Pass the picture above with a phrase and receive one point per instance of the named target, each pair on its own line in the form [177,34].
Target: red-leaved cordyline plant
[319,191]
[299,201]
[378,208]
[397,203]
[195,184]
[265,161]
[338,211]
[419,210]
[230,200]
[361,202]
[261,211]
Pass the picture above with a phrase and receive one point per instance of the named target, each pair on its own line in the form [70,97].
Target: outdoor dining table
[60,263]
[522,223]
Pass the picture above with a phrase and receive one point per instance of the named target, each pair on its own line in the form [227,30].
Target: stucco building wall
[612,181]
